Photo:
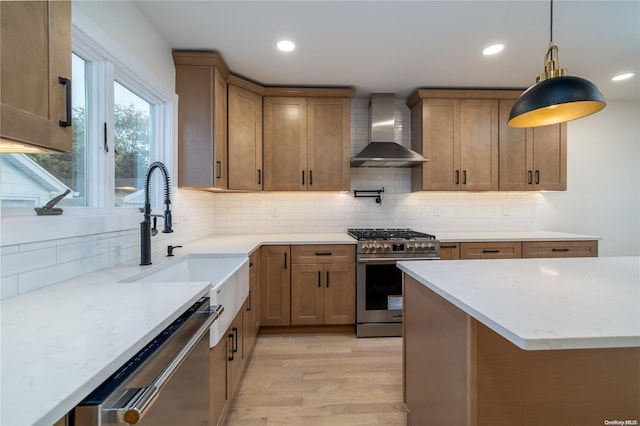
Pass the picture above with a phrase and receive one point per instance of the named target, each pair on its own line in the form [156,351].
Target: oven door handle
[140,404]
[392,259]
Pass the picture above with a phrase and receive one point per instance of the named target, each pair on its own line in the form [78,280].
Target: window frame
[106,62]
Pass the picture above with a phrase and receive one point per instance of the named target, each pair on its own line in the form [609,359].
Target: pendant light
[555,97]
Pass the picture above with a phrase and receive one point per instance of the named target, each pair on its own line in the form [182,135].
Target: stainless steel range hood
[382,151]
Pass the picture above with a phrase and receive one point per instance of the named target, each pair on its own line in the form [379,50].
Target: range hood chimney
[382,151]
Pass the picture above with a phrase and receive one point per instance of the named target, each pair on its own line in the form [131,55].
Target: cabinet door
[328,143]
[532,159]
[339,293]
[479,144]
[550,157]
[202,121]
[218,381]
[285,144]
[254,292]
[516,153]
[491,250]
[35,51]
[449,251]
[307,285]
[220,130]
[245,139]
[275,285]
[436,135]
[235,359]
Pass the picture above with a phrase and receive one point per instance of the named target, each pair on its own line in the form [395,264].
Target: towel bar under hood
[382,151]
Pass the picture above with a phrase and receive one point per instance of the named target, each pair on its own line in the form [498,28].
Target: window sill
[24,228]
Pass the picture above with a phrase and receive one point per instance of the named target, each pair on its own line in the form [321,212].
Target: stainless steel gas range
[379,282]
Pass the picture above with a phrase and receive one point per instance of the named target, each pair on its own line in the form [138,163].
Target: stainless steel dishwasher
[166,383]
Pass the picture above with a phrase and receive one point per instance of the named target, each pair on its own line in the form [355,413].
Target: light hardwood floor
[321,379]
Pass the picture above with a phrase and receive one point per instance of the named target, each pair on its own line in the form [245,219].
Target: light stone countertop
[457,237]
[540,304]
[60,342]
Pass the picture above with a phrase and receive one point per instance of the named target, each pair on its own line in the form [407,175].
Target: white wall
[603,180]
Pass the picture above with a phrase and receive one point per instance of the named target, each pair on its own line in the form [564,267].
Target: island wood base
[459,372]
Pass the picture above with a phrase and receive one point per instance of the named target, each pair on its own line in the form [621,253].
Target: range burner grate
[362,234]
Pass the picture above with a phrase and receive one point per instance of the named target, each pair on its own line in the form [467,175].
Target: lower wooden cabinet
[491,250]
[275,285]
[449,251]
[560,249]
[517,249]
[227,361]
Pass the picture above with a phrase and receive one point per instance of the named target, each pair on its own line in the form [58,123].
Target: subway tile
[43,277]
[20,262]
[8,286]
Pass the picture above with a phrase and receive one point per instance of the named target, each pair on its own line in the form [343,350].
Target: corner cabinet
[201,85]
[534,158]
[470,146]
[245,134]
[307,139]
[460,138]
[35,92]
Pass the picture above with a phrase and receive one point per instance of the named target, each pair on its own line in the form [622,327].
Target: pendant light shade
[555,97]
[556,100]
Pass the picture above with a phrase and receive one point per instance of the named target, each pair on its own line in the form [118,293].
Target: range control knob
[386,247]
[423,247]
[409,247]
[364,247]
[431,247]
[378,247]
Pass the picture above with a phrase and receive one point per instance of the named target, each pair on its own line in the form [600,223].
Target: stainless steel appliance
[379,282]
[166,383]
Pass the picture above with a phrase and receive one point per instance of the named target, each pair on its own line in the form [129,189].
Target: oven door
[379,295]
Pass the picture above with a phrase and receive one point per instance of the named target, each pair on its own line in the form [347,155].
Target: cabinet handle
[319,285]
[303,177]
[323,253]
[230,358]
[67,85]
[218,169]
[249,301]
[457,177]
[235,339]
[530,177]
[310,177]
[464,177]
[259,177]
[446,247]
[285,261]
[327,279]
[491,251]
[537,177]
[559,249]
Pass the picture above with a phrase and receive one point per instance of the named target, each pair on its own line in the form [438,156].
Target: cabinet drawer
[491,250]
[560,249]
[323,253]
[449,251]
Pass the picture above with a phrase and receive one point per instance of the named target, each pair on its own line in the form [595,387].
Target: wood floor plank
[321,379]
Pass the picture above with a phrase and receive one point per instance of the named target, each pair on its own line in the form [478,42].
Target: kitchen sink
[229,278]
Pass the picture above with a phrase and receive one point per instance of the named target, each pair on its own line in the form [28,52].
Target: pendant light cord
[551,24]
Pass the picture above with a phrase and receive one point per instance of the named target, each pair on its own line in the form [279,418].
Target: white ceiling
[397,46]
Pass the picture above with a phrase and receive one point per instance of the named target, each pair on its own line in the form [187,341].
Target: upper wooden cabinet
[245,135]
[35,58]
[307,140]
[201,85]
[532,159]
[470,146]
[460,138]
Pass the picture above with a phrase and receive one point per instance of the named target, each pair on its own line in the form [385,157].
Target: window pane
[132,134]
[31,180]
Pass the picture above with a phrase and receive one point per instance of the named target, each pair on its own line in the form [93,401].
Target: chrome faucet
[145,225]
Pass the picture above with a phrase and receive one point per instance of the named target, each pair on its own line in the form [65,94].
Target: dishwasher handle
[143,400]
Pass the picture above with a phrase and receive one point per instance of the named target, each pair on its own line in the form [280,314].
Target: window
[120,125]
[132,136]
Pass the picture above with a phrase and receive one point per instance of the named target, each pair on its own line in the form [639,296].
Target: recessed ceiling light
[493,49]
[624,76]
[286,45]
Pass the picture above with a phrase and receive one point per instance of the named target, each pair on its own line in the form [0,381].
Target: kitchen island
[522,341]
